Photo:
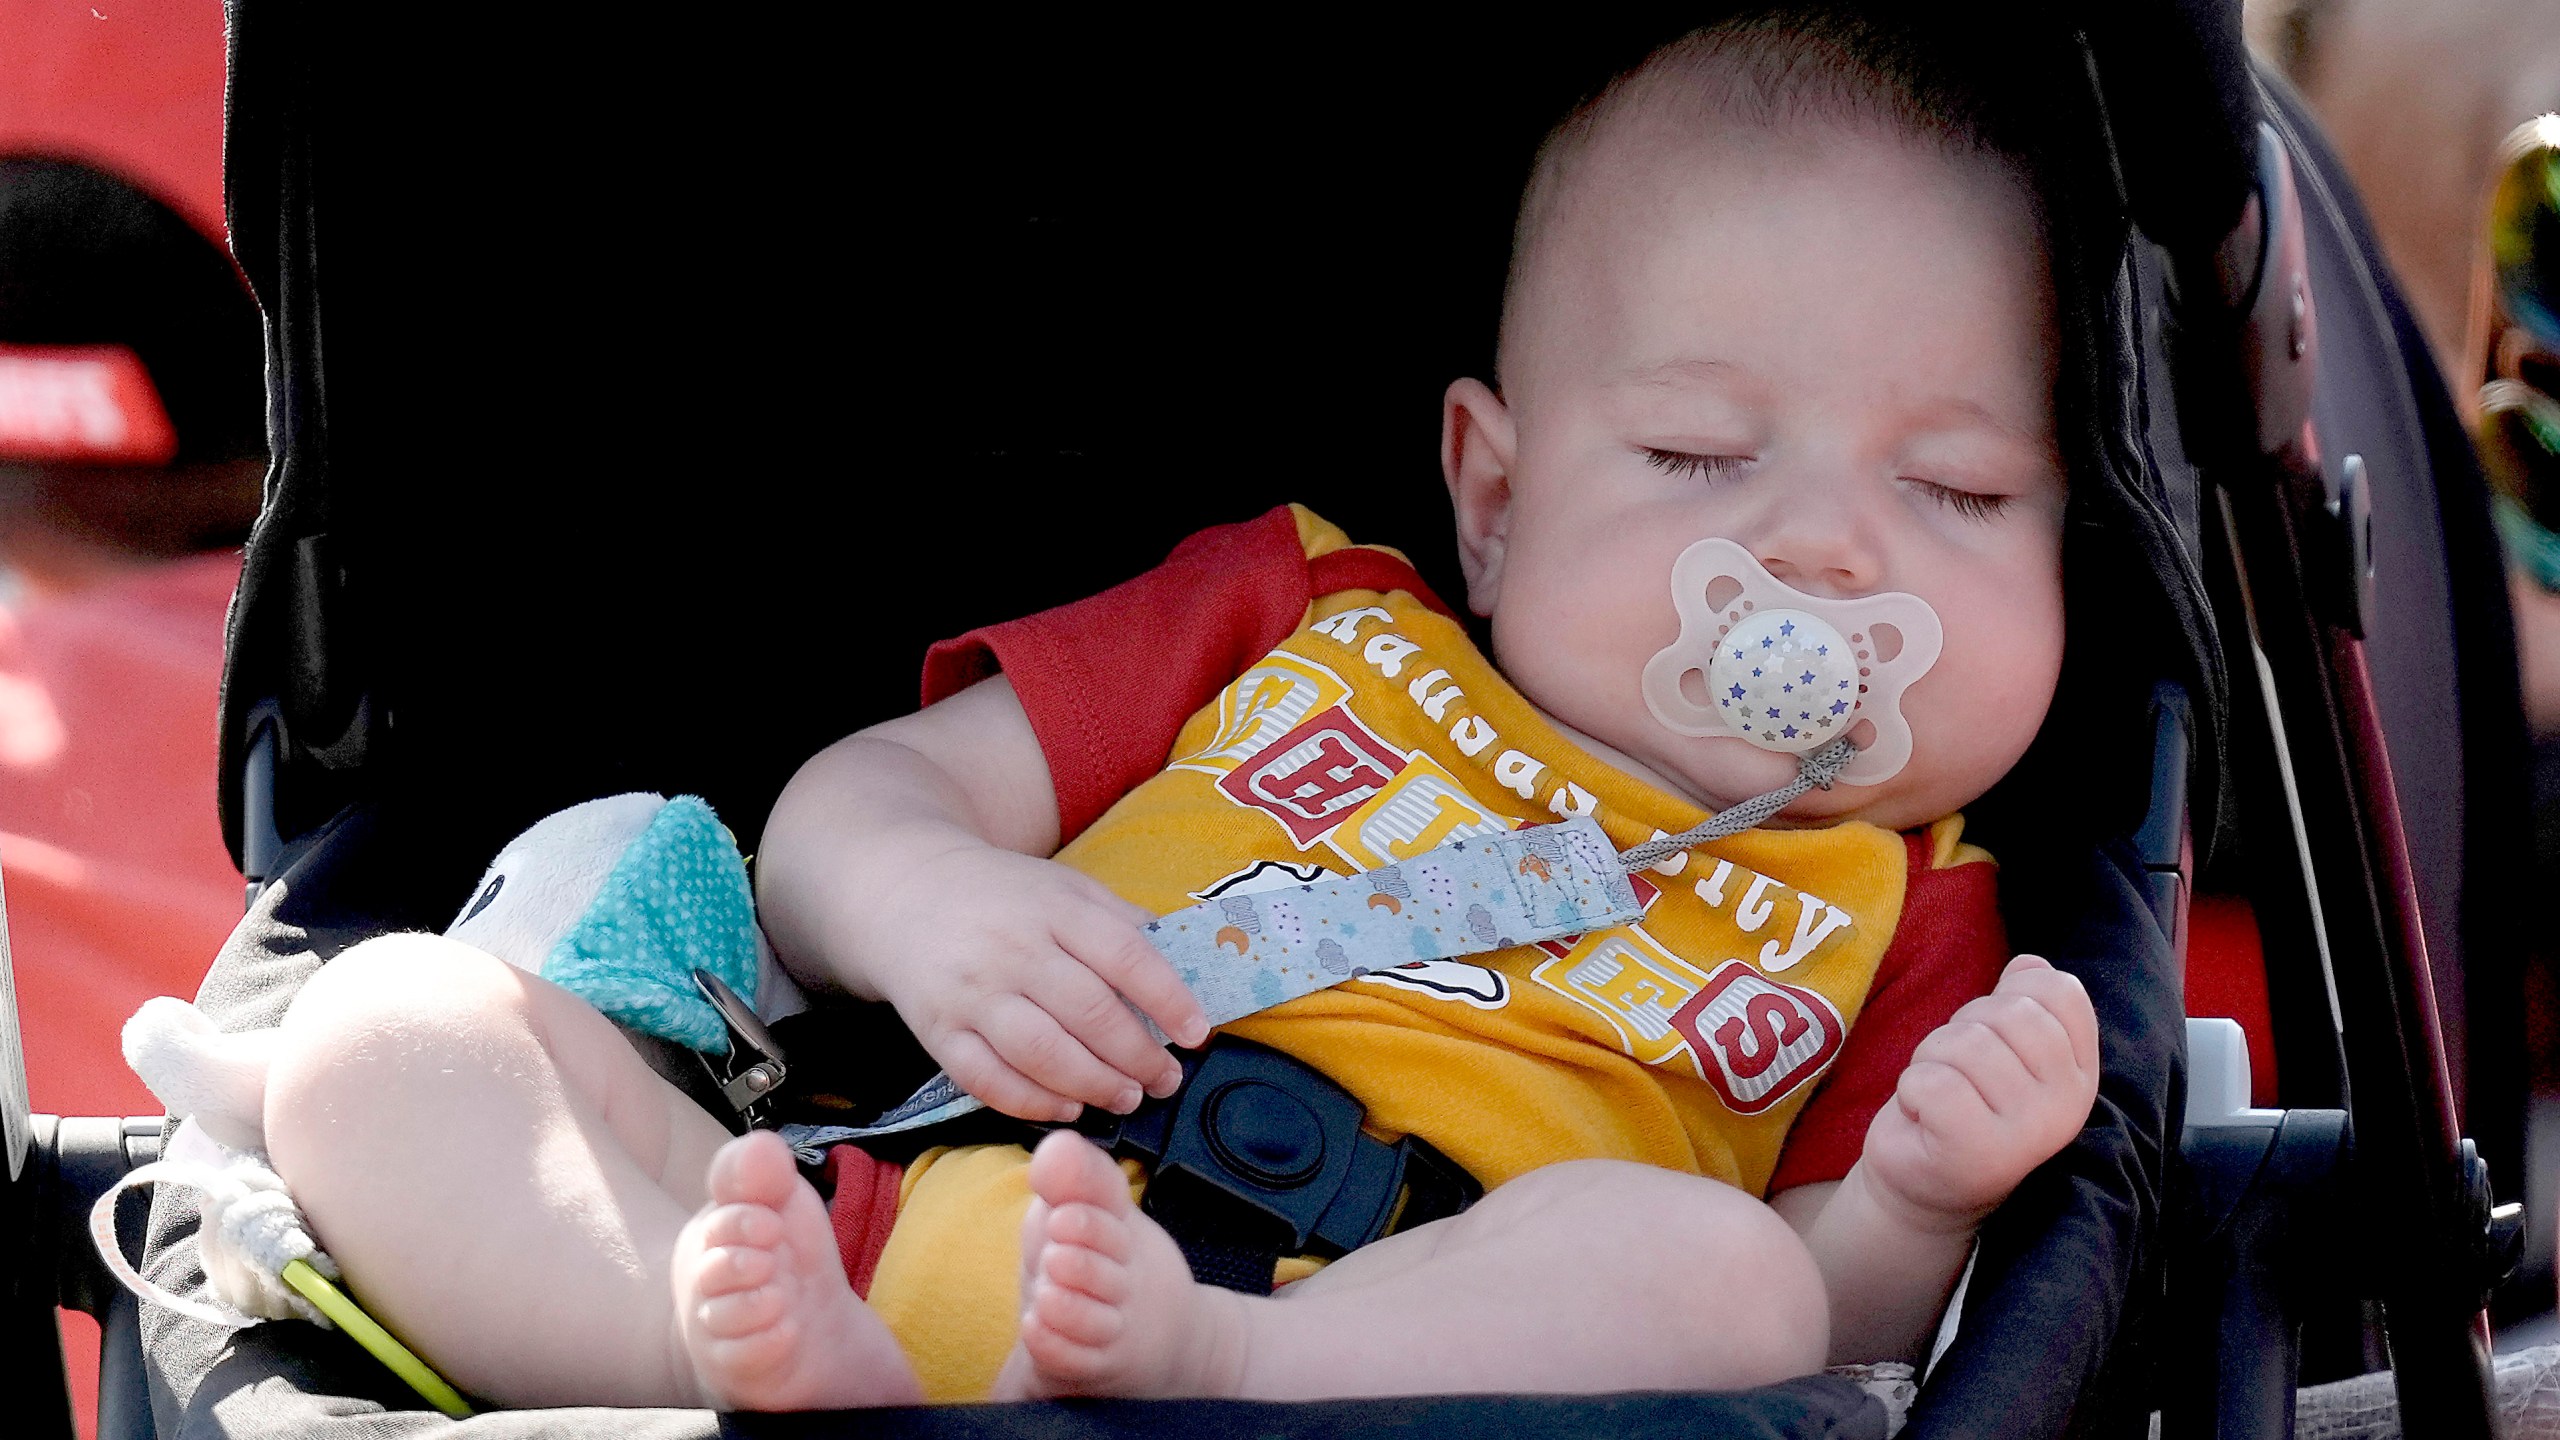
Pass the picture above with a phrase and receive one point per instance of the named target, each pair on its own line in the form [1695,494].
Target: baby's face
[1835,350]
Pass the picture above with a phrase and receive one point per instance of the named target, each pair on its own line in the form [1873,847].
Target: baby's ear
[1477,443]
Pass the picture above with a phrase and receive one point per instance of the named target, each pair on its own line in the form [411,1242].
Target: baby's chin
[1885,805]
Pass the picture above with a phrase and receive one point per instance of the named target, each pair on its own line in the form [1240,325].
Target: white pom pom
[251,1230]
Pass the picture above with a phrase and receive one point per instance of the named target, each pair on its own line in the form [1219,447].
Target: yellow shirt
[1690,1040]
[1377,731]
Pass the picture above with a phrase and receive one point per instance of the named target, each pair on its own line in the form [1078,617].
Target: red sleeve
[1949,948]
[1108,681]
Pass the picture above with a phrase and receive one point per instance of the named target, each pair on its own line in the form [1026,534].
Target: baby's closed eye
[1703,467]
[1972,504]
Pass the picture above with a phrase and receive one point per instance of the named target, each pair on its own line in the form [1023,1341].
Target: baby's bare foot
[765,1313]
[1108,1303]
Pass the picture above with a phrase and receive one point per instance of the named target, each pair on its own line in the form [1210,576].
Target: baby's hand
[1011,974]
[1988,1096]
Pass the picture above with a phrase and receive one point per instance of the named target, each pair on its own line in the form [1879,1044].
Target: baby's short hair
[1775,68]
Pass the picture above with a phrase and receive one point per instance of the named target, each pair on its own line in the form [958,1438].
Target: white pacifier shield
[1736,619]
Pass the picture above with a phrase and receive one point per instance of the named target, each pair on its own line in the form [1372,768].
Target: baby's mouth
[1760,661]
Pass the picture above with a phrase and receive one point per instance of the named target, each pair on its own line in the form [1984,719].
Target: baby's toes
[754,1169]
[1088,1253]
[749,1228]
[1074,1317]
[1067,1169]
[757,1310]
[733,1268]
[1073,1344]
[751,1358]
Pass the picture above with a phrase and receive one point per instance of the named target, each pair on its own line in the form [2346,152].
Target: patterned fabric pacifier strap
[1244,953]
[1241,954]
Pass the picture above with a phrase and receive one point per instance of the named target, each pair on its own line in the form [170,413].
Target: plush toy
[619,900]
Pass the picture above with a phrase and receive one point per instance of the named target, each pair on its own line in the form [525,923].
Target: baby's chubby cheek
[1981,705]
[1574,629]
[1577,623]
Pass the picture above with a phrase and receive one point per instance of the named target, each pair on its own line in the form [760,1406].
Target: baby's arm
[1988,1096]
[907,863]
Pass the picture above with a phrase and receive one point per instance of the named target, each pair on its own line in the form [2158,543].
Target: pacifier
[1759,660]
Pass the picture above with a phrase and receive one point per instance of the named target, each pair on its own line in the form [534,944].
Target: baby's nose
[1829,554]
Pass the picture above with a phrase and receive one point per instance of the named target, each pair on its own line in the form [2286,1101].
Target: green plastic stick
[350,1317]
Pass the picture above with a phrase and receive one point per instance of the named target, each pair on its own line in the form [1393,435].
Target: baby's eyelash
[1970,504]
[1703,467]
[1973,505]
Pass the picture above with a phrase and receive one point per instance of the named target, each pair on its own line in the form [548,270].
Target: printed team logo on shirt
[1313,777]
[1422,810]
[1760,1039]
[1261,705]
[1633,982]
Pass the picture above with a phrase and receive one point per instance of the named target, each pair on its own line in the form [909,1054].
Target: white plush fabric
[549,876]
[251,1230]
[777,994]
[219,1079]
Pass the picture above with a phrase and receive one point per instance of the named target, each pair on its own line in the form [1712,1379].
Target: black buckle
[753,1071]
[1273,1136]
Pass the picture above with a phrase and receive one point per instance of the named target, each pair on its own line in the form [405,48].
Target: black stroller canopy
[768,368]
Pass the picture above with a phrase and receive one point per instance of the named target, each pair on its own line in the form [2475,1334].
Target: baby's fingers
[1975,1054]
[1114,948]
[1032,1041]
[2031,1033]
[1937,1098]
[1095,1015]
[975,1067]
[2060,993]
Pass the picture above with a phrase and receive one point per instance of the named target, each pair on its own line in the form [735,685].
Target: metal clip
[755,1065]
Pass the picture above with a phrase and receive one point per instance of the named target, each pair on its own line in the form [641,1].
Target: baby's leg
[1583,1277]
[501,1176]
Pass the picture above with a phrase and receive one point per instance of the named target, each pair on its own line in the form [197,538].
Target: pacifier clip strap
[1243,953]
[1815,772]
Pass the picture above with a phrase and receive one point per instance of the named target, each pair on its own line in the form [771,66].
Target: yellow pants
[949,1281]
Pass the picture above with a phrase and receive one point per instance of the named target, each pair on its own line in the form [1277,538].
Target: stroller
[560,511]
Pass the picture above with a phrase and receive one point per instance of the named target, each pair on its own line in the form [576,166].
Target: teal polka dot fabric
[677,901]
